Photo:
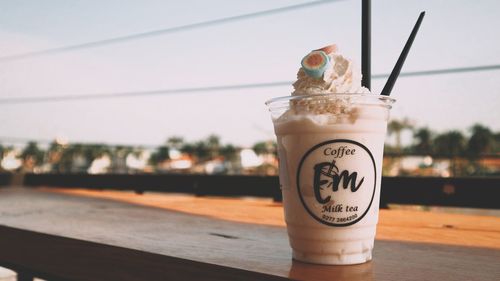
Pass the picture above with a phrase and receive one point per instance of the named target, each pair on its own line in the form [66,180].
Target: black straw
[401,60]
[366,43]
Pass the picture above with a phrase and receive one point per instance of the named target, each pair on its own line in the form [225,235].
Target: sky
[455,33]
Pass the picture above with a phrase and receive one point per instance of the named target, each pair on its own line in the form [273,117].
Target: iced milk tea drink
[330,134]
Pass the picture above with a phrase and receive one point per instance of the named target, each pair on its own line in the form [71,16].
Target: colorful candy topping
[329,49]
[315,63]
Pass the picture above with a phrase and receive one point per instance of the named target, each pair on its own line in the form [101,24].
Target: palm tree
[213,144]
[187,148]
[260,148]
[65,163]
[205,149]
[32,155]
[452,145]
[496,146]
[423,137]
[175,142]
[481,141]
[161,154]
[58,157]
[228,151]
[94,151]
[201,150]
[267,147]
[397,127]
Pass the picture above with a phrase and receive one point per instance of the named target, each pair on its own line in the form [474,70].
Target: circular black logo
[336,181]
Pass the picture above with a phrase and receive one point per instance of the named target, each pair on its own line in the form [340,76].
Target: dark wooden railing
[456,192]
[215,185]
[5,179]
[473,192]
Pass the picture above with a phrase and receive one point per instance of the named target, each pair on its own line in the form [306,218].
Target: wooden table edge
[62,258]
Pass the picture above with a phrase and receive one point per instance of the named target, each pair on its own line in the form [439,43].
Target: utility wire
[153,33]
[143,93]
[21,100]
[16,140]
[443,71]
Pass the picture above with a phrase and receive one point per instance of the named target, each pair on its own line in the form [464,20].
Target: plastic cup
[330,148]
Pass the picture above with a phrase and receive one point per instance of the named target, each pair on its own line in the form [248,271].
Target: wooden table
[60,234]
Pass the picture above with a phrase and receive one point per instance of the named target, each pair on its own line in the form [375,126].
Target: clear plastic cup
[330,148]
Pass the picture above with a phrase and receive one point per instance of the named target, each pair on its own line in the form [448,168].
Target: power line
[21,100]
[136,36]
[143,93]
[17,140]
[443,71]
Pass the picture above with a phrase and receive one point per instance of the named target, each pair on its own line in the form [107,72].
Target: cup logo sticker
[336,182]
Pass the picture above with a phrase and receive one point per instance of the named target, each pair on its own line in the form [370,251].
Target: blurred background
[125,87]
[179,86]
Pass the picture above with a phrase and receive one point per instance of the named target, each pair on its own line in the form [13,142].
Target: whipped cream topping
[340,77]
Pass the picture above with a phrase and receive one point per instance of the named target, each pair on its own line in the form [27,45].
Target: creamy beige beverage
[330,136]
